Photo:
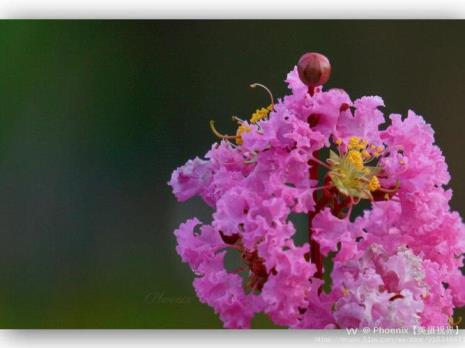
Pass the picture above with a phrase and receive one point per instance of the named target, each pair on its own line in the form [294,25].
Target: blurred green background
[95,115]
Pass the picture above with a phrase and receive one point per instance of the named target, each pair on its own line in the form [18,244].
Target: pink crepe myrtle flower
[317,152]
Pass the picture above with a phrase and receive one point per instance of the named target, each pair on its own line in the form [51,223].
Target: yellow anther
[379,148]
[355,157]
[373,146]
[354,143]
[345,292]
[338,142]
[402,162]
[373,185]
[243,128]
[365,154]
[260,114]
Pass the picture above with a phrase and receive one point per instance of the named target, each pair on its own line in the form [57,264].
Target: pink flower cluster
[396,265]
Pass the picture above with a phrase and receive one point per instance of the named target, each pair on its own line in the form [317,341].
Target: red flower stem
[315,253]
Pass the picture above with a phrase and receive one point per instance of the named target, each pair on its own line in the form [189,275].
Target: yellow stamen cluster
[349,170]
[243,128]
[373,184]
[355,143]
[260,114]
[355,157]
[366,155]
[379,150]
